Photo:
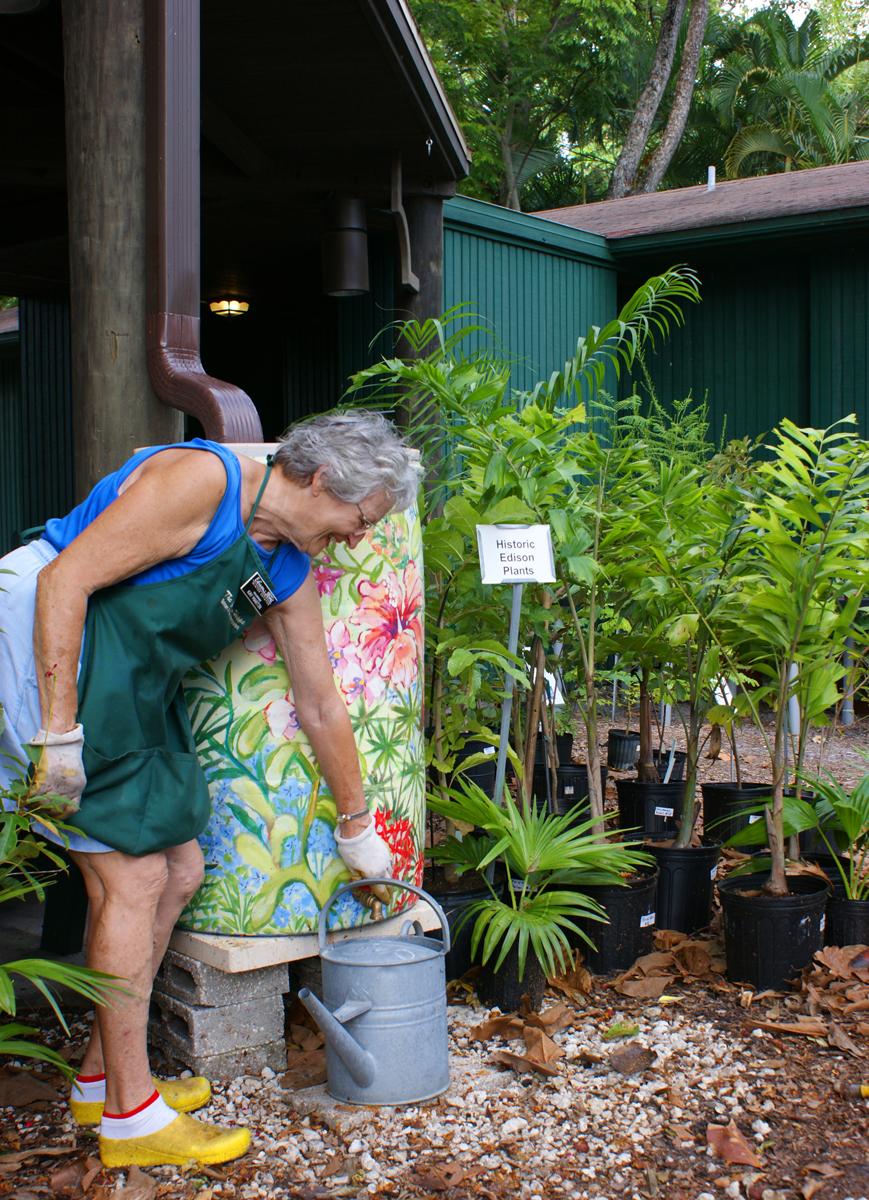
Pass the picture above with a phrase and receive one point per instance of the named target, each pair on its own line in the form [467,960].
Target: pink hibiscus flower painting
[325,575]
[281,718]
[258,640]
[390,617]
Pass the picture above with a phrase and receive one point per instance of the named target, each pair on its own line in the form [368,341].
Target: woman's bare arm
[162,515]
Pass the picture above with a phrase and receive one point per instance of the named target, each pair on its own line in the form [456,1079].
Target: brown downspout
[172,105]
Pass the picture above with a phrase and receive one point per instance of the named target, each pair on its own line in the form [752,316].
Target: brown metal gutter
[172,106]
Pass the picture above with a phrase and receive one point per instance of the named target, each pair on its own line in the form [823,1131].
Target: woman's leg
[185,870]
[125,893]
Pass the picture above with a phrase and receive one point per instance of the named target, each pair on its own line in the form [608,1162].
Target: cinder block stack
[219,1025]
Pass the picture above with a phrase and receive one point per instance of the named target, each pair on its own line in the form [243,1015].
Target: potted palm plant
[522,931]
[801,577]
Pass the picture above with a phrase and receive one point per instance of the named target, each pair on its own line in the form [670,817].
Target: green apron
[145,789]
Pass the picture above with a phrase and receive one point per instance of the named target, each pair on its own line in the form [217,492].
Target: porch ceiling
[298,101]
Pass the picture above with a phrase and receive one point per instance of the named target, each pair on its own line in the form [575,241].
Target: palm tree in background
[781,87]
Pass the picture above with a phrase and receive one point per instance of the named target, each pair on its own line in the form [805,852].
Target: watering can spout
[358,1062]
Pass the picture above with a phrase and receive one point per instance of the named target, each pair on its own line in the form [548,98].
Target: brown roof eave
[395,24]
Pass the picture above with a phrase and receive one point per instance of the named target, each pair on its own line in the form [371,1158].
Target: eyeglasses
[364,521]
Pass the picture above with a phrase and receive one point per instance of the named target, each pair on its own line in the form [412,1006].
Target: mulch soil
[666,1082]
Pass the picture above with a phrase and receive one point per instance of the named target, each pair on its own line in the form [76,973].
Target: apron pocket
[144,801]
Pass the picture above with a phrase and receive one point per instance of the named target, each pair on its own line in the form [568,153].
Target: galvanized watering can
[385,1012]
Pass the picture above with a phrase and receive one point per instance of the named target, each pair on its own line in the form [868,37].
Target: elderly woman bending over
[164,564]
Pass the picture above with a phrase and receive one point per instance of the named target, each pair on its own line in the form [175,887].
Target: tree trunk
[104,79]
[682,95]
[647,772]
[624,173]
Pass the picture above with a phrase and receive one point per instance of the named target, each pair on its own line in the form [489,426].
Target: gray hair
[361,452]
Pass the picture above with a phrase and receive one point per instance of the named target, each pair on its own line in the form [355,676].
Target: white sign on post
[516,554]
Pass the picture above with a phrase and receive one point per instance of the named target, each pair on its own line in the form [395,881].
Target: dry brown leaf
[305,1038]
[838,1037]
[22,1088]
[860,961]
[442,1177]
[559,1016]
[666,939]
[681,1133]
[138,1186]
[577,982]
[694,958]
[66,1178]
[509,1027]
[728,1143]
[9,1163]
[838,960]
[305,1068]
[523,1063]
[540,1046]
[805,1026]
[808,1190]
[826,1169]
[339,1165]
[631,1059]
[93,1167]
[649,988]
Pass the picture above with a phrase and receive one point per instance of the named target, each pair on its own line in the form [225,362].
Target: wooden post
[425,220]
[114,406]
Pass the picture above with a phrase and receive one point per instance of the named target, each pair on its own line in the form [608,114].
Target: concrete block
[205,1031]
[198,983]
[247,1060]
[307,972]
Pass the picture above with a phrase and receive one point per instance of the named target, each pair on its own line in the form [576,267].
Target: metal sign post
[515,554]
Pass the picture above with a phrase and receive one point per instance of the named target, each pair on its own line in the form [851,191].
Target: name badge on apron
[258,593]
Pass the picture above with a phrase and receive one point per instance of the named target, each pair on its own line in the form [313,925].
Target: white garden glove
[58,769]
[367,856]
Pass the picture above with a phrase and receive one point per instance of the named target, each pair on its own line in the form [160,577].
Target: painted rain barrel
[270,854]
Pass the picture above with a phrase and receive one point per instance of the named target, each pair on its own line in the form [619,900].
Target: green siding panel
[46,446]
[839,317]
[535,285]
[745,347]
[10,440]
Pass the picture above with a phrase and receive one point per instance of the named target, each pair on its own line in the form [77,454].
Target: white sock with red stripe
[150,1117]
[89,1088]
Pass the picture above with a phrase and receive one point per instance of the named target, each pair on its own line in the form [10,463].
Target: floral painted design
[270,852]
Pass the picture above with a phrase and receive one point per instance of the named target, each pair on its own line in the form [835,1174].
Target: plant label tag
[568,791]
[663,812]
[516,554]
[488,749]
[754,817]
[713,872]
[823,924]
[258,593]
[647,919]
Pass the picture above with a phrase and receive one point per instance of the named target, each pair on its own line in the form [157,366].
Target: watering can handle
[407,887]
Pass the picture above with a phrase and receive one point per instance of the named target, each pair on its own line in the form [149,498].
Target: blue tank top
[287,569]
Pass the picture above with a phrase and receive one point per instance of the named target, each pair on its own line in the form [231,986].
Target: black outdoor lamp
[345,248]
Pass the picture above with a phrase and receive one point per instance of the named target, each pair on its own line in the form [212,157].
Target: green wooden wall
[783,333]
[537,286]
[10,438]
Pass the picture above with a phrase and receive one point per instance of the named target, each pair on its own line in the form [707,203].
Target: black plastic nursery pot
[686,876]
[563,749]
[769,939]
[454,902]
[847,922]
[631,912]
[505,989]
[622,749]
[661,759]
[572,786]
[654,808]
[723,805]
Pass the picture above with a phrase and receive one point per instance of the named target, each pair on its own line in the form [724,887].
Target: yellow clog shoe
[185,1140]
[184,1095]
